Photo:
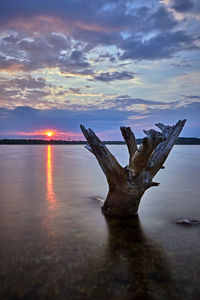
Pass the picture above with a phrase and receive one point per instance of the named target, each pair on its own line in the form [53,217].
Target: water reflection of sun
[51,197]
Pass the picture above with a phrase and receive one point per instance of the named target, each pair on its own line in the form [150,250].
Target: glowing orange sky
[43,133]
[48,134]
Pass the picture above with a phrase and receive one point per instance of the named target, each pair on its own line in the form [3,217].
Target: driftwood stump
[127,185]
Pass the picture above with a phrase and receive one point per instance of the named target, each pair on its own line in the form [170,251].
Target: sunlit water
[56,244]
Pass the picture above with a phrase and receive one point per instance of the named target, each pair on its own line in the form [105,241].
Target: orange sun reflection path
[51,197]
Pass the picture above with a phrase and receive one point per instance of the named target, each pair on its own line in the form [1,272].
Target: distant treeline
[180,141]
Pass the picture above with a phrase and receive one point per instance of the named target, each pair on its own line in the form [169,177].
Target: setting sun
[49,133]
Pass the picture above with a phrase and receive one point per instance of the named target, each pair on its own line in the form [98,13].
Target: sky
[100,63]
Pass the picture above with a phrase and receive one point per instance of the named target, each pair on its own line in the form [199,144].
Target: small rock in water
[100,200]
[188,221]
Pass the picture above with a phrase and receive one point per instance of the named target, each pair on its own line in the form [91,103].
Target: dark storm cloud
[107,76]
[182,5]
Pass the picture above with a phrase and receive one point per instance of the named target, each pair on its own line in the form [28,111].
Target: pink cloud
[41,134]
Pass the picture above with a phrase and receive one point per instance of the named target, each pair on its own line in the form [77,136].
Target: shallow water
[56,244]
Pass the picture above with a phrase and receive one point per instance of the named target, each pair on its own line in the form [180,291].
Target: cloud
[23,89]
[27,90]
[67,43]
[126,101]
[107,76]
[75,91]
[157,47]
[118,103]
[182,5]
[86,14]
[86,25]
[27,82]
[103,57]
[137,105]
[182,63]
[27,119]
[21,52]
[192,97]
[184,10]
[162,19]
[71,16]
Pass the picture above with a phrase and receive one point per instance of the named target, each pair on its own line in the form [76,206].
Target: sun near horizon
[49,133]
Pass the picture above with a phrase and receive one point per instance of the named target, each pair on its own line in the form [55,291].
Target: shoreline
[180,141]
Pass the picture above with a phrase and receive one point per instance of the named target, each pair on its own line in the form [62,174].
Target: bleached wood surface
[127,185]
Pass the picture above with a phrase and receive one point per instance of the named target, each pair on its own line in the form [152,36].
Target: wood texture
[130,140]
[127,185]
[110,166]
[161,153]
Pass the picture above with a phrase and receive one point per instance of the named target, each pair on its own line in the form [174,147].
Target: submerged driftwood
[127,185]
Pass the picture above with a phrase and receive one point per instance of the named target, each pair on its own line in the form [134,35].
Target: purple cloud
[182,5]
[157,47]
[107,76]
[102,120]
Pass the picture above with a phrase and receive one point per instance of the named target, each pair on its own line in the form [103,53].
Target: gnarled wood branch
[139,161]
[110,166]
[162,151]
[128,184]
[130,140]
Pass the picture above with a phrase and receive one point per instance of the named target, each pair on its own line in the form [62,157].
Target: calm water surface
[56,244]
